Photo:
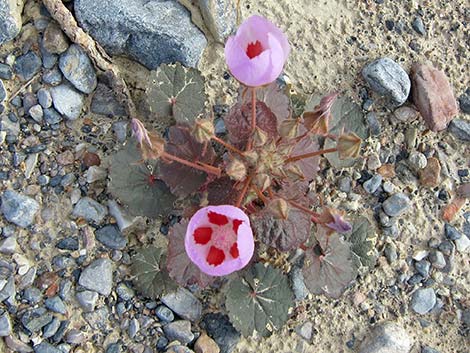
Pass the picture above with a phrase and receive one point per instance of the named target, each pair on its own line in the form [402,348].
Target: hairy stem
[199,165]
[244,190]
[309,155]
[305,209]
[253,118]
[227,145]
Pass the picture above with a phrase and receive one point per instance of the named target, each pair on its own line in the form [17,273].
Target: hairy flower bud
[349,145]
[289,128]
[259,137]
[280,208]
[262,181]
[317,120]
[151,145]
[203,130]
[294,172]
[236,169]
[251,156]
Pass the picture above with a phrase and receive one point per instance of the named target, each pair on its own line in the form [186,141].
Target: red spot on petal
[202,235]
[236,224]
[217,219]
[151,179]
[215,256]
[254,49]
[234,251]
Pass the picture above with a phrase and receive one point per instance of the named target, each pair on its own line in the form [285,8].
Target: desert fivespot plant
[237,199]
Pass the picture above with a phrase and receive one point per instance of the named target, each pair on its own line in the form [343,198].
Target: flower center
[254,49]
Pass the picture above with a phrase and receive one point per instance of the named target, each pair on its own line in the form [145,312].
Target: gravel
[423,267]
[179,330]
[371,185]
[220,16]
[104,102]
[52,77]
[111,237]
[67,101]
[45,347]
[388,78]
[19,209]
[184,303]
[44,98]
[423,300]
[51,328]
[164,314]
[427,349]
[221,330]
[464,100]
[27,65]
[8,245]
[437,259]
[90,210]
[396,205]
[387,337]
[3,92]
[5,324]
[10,20]
[78,69]
[418,25]
[460,128]
[87,300]
[98,276]
[297,283]
[56,305]
[5,72]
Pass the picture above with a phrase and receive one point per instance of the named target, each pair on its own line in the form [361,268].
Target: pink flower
[219,240]
[257,53]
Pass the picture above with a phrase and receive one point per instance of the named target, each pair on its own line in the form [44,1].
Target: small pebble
[418,25]
[371,185]
[423,300]
[396,204]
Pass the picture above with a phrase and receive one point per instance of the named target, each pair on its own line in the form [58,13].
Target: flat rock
[219,327]
[150,32]
[5,325]
[396,204]
[184,303]
[27,65]
[433,96]
[56,305]
[98,276]
[8,245]
[205,344]
[105,103]
[87,300]
[423,300]
[67,101]
[19,209]
[90,209]
[388,78]
[220,17]
[460,128]
[387,337]
[10,19]
[179,330]
[78,69]
[430,176]
[111,237]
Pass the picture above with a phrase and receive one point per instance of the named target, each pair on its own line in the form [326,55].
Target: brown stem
[309,155]
[253,118]
[199,165]
[244,190]
[260,195]
[227,145]
[303,208]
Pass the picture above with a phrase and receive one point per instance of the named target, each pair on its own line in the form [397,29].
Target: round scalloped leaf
[149,273]
[259,300]
[134,182]
[177,91]
[363,239]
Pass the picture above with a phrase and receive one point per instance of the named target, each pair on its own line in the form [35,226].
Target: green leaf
[149,273]
[136,185]
[363,239]
[178,91]
[259,300]
[347,116]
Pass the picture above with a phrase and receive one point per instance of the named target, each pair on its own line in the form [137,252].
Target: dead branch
[96,53]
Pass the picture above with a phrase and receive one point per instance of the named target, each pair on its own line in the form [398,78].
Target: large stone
[10,19]
[67,100]
[184,303]
[77,68]
[19,209]
[433,96]
[220,17]
[388,78]
[98,277]
[179,330]
[388,337]
[150,32]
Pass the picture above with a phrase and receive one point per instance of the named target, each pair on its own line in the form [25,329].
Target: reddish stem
[309,155]
[305,209]
[199,165]
[260,195]
[253,118]
[227,145]
[244,190]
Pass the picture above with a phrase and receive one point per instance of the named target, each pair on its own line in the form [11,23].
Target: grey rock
[124,292]
[19,209]
[415,279]
[164,314]
[423,300]
[134,327]
[98,276]
[8,245]
[111,237]
[446,247]
[78,69]
[3,92]
[387,337]
[418,25]
[114,348]
[33,295]
[36,113]
[48,59]
[87,300]
[56,305]
[10,19]
[51,116]
[105,103]
[51,328]
[437,259]
[423,267]
[52,77]
[97,319]
[184,303]
[27,65]
[464,99]
[460,128]
[451,232]
[5,324]
[75,337]
[90,210]
[374,125]
[344,184]
[388,78]
[35,319]
[44,98]
[143,30]
[297,283]
[67,101]
[427,349]
[54,40]
[371,185]
[396,204]
[126,222]
[417,161]
[10,127]
[391,253]
[120,131]
[5,72]
[221,330]
[45,347]
[305,330]
[220,17]
[69,243]
[462,244]
[179,330]
[179,349]
[8,290]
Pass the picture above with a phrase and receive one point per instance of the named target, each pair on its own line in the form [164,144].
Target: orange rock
[205,344]
[90,159]
[433,96]
[430,175]
[387,170]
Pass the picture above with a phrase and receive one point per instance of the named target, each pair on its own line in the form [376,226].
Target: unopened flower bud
[293,171]
[349,145]
[259,137]
[262,181]
[151,145]
[280,208]
[203,130]
[289,128]
[236,169]
[251,156]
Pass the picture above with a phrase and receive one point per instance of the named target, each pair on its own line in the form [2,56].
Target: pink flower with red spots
[219,239]
[257,53]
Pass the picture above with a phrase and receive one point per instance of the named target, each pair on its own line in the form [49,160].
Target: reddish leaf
[298,192]
[329,266]
[181,179]
[179,266]
[222,191]
[282,234]
[238,122]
